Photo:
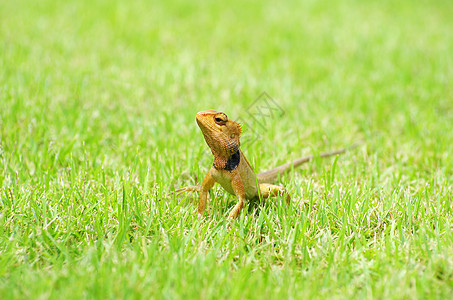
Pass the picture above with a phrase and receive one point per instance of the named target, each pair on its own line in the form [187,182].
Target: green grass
[97,107]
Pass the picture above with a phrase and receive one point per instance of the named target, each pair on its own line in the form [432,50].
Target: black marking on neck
[232,162]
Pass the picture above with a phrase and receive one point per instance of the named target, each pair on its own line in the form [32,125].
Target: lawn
[97,128]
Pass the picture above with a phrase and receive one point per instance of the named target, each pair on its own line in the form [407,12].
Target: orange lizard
[231,169]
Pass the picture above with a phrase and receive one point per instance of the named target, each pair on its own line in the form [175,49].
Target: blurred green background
[97,108]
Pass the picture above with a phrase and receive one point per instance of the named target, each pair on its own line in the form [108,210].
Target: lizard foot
[190,189]
[270,190]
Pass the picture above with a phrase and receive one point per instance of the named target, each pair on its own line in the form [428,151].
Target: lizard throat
[232,162]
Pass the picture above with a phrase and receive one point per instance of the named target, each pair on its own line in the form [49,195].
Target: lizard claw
[190,189]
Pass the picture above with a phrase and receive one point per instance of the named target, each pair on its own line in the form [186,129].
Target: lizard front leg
[268,190]
[238,188]
[207,184]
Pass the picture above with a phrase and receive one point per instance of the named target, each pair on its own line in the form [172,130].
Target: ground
[97,126]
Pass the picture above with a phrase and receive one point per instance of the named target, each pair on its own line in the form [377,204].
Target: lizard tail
[271,175]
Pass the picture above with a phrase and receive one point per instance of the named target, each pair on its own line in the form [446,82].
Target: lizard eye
[220,121]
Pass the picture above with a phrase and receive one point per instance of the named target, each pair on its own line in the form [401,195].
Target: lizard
[231,168]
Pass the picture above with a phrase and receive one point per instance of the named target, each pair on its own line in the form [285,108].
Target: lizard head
[221,134]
